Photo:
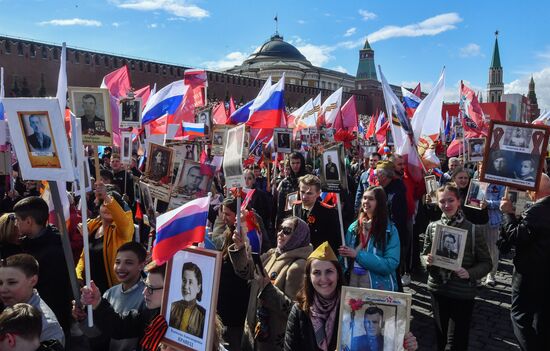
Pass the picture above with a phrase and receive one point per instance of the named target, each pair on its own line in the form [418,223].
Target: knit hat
[323,253]
[385,165]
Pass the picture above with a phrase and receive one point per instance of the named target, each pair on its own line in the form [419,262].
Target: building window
[141,66]
[156,68]
[33,51]
[44,52]
[178,71]
[323,85]
[106,61]
[171,70]
[148,66]
[132,65]
[87,58]
[115,62]
[76,57]
[163,70]
[222,78]
[96,60]
[217,77]
[7,47]
[55,54]
[19,49]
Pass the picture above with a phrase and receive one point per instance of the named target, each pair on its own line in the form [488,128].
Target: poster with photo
[219,134]
[129,113]
[233,159]
[291,198]
[373,319]
[431,189]
[39,139]
[333,169]
[283,140]
[475,149]
[448,247]
[520,201]
[194,179]
[204,117]
[126,147]
[159,164]
[191,283]
[93,107]
[514,154]
[477,191]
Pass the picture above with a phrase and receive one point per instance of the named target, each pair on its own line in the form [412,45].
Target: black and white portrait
[38,133]
[476,147]
[330,163]
[194,179]
[517,136]
[92,105]
[159,162]
[283,140]
[130,113]
[448,247]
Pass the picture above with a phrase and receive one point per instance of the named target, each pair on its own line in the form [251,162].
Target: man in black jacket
[530,234]
[43,242]
[321,218]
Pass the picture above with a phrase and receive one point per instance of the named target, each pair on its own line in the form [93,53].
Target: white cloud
[301,21]
[542,86]
[350,32]
[318,55]
[340,69]
[471,50]
[115,24]
[72,22]
[232,59]
[152,25]
[366,15]
[178,8]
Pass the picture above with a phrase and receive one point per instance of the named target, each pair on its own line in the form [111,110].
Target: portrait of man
[189,152]
[499,163]
[526,170]
[159,164]
[331,169]
[130,110]
[91,122]
[449,247]
[38,140]
[283,141]
[517,137]
[192,180]
[373,339]
[186,314]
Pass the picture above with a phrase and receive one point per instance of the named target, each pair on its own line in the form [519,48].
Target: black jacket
[300,334]
[323,223]
[397,207]
[53,284]
[530,234]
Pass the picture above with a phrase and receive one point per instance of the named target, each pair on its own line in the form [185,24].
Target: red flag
[372,126]
[348,116]
[381,133]
[219,115]
[118,83]
[472,115]
[158,126]
[232,107]
[417,91]
[197,79]
[143,93]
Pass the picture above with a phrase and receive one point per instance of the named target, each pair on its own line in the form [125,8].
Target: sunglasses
[286,230]
[150,289]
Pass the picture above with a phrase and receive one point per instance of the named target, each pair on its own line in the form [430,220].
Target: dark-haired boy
[43,242]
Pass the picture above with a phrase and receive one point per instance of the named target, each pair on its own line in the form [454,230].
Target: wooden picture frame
[474,149]
[193,264]
[159,164]
[83,102]
[333,169]
[448,246]
[514,155]
[392,311]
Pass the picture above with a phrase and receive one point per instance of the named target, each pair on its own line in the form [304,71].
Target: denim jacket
[380,265]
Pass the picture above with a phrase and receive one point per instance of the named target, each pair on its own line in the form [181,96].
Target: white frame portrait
[219,136]
[472,156]
[291,198]
[181,181]
[396,309]
[477,192]
[209,264]
[431,188]
[123,120]
[284,133]
[337,157]
[103,107]
[51,164]
[126,147]
[439,260]
[233,159]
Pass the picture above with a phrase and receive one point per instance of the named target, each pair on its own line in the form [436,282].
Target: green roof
[495,62]
[367,45]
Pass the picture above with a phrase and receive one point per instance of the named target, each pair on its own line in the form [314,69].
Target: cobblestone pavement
[491,328]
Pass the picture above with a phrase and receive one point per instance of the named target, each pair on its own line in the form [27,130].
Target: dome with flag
[278,49]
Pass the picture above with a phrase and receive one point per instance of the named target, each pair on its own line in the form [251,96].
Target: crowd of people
[294,302]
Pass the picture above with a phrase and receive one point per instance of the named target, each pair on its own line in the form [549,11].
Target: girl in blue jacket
[372,244]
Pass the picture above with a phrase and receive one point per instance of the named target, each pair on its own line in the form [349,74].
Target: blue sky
[412,40]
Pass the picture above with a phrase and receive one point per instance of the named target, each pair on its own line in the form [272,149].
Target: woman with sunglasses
[372,244]
[275,288]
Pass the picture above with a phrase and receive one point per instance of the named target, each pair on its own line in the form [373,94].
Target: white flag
[331,107]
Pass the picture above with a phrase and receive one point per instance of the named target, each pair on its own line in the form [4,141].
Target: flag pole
[341,224]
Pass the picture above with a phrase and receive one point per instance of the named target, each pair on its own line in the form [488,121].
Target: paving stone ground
[491,327]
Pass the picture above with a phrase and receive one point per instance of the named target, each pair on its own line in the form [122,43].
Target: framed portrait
[219,133]
[204,117]
[333,171]
[93,107]
[373,319]
[233,159]
[520,201]
[126,147]
[129,113]
[146,199]
[314,137]
[474,149]
[329,135]
[194,179]
[515,154]
[477,191]
[431,188]
[159,164]
[448,247]
[191,285]
[38,135]
[291,198]
[282,138]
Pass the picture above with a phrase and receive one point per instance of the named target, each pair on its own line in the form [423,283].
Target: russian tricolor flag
[268,108]
[242,114]
[410,102]
[165,102]
[180,228]
[193,129]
